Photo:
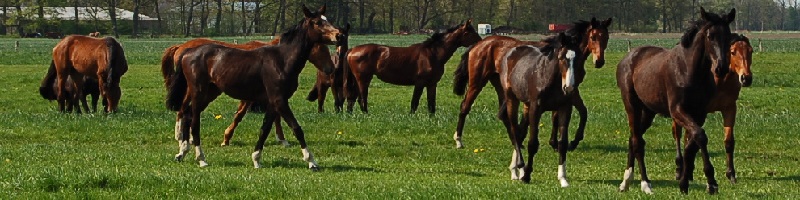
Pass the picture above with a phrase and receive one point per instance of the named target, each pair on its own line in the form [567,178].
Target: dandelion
[482,150]
[8,160]
[475,151]
[540,124]
[217,116]
[339,132]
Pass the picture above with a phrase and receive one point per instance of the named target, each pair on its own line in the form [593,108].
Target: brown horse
[49,89]
[677,82]
[544,80]
[478,66]
[267,75]
[102,59]
[333,81]
[728,89]
[420,65]
[320,57]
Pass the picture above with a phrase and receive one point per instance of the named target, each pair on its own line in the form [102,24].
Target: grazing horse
[267,75]
[102,59]
[420,65]
[480,64]
[333,81]
[728,89]
[49,89]
[544,79]
[677,82]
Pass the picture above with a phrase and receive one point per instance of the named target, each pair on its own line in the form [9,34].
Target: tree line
[270,17]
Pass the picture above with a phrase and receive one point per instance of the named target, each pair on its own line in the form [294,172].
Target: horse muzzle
[567,89]
[599,63]
[746,80]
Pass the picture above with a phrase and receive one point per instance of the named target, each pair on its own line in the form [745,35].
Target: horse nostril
[746,80]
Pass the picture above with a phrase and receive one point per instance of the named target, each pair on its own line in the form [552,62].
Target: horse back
[647,74]
[487,54]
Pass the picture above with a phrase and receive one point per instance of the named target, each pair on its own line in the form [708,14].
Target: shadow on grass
[694,186]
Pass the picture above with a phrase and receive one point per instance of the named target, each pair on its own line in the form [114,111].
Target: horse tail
[176,90]
[348,79]
[168,64]
[47,87]
[461,75]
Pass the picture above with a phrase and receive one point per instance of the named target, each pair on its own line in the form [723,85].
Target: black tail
[177,88]
[312,95]
[461,75]
[47,89]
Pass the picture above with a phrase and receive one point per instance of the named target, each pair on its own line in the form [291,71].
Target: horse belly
[397,75]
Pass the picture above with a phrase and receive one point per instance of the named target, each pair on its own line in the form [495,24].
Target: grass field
[386,154]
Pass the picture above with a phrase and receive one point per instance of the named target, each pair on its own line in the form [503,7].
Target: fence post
[16,45]
[759,46]
[629,45]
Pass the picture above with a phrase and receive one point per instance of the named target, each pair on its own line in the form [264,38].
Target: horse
[102,59]
[94,34]
[543,78]
[728,88]
[267,75]
[677,82]
[48,90]
[333,81]
[480,64]
[420,65]
[320,57]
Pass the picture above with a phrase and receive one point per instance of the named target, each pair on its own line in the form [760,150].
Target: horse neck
[697,61]
[447,50]
[296,50]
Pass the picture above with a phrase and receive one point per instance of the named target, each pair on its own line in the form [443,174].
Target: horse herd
[703,73]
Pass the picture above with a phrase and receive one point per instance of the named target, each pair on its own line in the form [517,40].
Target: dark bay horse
[724,101]
[333,81]
[267,75]
[48,90]
[544,80]
[102,59]
[320,57]
[677,82]
[420,65]
[479,65]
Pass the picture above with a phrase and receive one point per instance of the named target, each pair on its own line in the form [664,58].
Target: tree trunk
[256,18]
[371,23]
[188,31]
[218,22]
[204,17]
[135,18]
[244,19]
[663,16]
[17,20]
[158,16]
[361,16]
[77,20]
[112,12]
[510,13]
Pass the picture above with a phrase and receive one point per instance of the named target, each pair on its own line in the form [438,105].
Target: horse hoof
[712,189]
[731,176]
[573,145]
[684,187]
[178,157]
[525,179]
[554,144]
[203,164]
[314,168]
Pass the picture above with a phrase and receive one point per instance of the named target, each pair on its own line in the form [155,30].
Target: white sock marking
[256,156]
[646,188]
[625,179]
[459,144]
[308,157]
[562,175]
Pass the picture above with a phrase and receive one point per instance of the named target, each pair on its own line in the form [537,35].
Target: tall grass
[385,154]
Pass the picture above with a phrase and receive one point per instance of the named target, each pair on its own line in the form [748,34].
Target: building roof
[84,13]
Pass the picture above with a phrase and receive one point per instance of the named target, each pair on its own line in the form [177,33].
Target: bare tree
[112,13]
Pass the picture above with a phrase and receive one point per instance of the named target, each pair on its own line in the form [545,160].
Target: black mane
[438,38]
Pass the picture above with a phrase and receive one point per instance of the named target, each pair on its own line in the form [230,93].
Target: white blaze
[323,17]
[570,79]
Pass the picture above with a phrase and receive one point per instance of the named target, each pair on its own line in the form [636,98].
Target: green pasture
[386,154]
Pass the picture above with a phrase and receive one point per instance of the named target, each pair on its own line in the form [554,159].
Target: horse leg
[634,110]
[698,141]
[415,98]
[241,110]
[474,88]
[61,82]
[554,131]
[322,92]
[577,101]
[199,103]
[185,117]
[509,119]
[431,96]
[279,133]
[647,117]
[363,91]
[338,96]
[266,125]
[563,127]
[286,113]
[676,135]
[729,118]
[533,139]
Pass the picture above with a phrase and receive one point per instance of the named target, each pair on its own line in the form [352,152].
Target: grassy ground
[385,154]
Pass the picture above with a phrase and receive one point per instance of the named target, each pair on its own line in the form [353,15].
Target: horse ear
[594,23]
[322,9]
[731,15]
[563,39]
[607,23]
[704,14]
[347,27]
[468,22]
[307,12]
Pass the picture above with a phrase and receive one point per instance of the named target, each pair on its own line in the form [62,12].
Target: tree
[112,13]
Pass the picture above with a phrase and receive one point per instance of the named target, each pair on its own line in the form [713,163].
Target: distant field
[386,154]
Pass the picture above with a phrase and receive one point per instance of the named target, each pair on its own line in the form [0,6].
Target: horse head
[597,41]
[318,28]
[741,59]
[567,52]
[714,34]
[465,34]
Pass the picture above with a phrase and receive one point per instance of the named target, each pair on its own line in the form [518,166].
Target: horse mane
[695,26]
[436,38]
[578,29]
[739,37]
[551,43]
[289,35]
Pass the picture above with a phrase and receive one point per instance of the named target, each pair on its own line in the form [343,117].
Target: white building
[484,29]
